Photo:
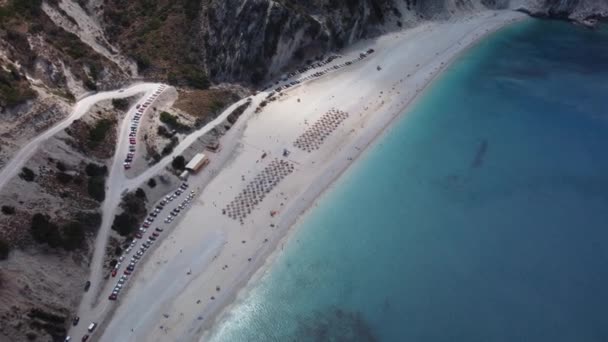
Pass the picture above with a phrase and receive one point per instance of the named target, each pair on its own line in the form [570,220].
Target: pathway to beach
[283,156]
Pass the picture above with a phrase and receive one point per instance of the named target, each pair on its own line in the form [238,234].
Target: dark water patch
[334,324]
[480,154]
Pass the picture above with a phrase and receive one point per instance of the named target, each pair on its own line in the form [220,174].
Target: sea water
[481,216]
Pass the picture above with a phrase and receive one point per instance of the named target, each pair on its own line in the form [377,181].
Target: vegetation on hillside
[27,174]
[134,211]
[98,132]
[97,181]
[14,89]
[178,163]
[70,236]
[144,26]
[120,104]
[20,19]
[4,249]
[173,122]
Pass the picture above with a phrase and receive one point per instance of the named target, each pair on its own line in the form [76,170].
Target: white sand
[205,240]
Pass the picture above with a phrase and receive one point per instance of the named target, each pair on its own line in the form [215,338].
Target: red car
[146,224]
[138,235]
[127,272]
[114,272]
[155,234]
[112,297]
[85,337]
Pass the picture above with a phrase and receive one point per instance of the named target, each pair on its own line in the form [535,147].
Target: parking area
[140,110]
[148,234]
[317,74]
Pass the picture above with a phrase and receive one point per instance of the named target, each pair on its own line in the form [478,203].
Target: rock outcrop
[249,40]
[576,10]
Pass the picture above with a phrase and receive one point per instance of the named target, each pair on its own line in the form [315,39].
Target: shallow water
[481,216]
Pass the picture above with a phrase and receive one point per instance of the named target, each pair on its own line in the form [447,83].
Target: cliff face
[249,39]
[577,10]
[183,42]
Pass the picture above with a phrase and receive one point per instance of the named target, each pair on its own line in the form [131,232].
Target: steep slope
[577,10]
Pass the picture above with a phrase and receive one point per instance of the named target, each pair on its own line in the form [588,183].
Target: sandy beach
[252,193]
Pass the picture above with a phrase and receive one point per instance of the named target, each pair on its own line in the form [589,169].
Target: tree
[124,224]
[141,194]
[61,166]
[4,249]
[73,236]
[93,170]
[7,210]
[120,104]
[44,231]
[152,183]
[27,174]
[179,163]
[96,188]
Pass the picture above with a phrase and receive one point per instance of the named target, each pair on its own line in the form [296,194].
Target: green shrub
[27,174]
[98,132]
[61,166]
[96,188]
[120,104]
[93,170]
[14,89]
[125,224]
[73,236]
[196,78]
[5,249]
[141,194]
[143,62]
[7,210]
[44,231]
[90,84]
[178,163]
[216,106]
[173,122]
[170,146]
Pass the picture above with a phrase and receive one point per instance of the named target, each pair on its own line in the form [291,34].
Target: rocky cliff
[248,40]
[576,10]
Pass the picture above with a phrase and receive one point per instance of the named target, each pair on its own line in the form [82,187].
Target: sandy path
[183,304]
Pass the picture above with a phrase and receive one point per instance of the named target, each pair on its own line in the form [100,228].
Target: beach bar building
[197,163]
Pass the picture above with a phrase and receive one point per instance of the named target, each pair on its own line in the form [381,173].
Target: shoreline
[345,148]
[334,175]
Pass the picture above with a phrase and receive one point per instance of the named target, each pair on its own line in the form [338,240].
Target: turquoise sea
[482,216]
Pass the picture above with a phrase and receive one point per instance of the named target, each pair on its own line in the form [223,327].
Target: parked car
[85,338]
[92,326]
[87,285]
[75,321]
